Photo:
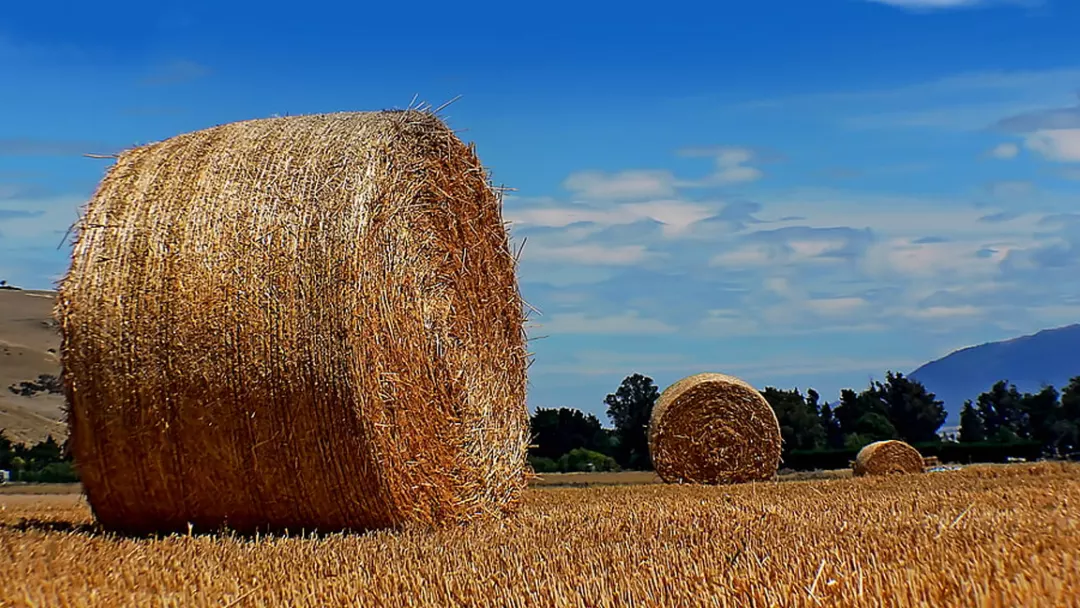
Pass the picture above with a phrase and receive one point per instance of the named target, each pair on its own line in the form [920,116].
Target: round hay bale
[713,428]
[887,457]
[306,322]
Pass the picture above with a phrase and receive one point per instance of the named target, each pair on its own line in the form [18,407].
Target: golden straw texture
[713,428]
[308,322]
[887,457]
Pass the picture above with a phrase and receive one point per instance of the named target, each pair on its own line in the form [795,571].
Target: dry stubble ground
[983,536]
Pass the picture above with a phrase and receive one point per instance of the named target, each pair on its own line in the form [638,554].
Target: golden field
[982,536]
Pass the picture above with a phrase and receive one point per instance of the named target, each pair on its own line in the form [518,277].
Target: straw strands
[888,457]
[713,428]
[298,322]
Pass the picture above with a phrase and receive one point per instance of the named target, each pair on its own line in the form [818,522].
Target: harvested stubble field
[982,536]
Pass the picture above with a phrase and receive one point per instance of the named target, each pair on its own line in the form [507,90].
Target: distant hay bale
[888,457]
[713,428]
[307,322]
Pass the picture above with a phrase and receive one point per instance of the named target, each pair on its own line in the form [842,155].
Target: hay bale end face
[713,428]
[886,458]
[307,322]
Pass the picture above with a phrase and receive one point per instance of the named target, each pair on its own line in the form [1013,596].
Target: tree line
[1002,422]
[45,461]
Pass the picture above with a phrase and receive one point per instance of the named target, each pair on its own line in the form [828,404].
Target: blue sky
[798,192]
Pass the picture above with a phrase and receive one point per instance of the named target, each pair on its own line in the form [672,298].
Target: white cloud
[675,215]
[799,251]
[1061,145]
[629,323]
[780,286]
[757,373]
[968,115]
[28,221]
[1030,88]
[749,256]
[949,4]
[1005,151]
[558,217]
[894,216]
[836,306]
[930,261]
[731,166]
[625,185]
[736,174]
[588,254]
[943,312]
[1011,189]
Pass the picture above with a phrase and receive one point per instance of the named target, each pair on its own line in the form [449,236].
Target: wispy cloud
[966,102]
[45,147]
[27,220]
[1061,145]
[1010,189]
[152,111]
[1028,87]
[179,71]
[589,254]
[629,323]
[675,215]
[1052,118]
[624,185]
[937,5]
[606,363]
[731,166]
[1005,151]
[18,214]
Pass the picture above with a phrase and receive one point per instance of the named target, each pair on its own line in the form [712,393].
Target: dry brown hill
[29,340]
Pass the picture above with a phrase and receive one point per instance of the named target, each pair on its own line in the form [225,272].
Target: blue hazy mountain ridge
[1050,356]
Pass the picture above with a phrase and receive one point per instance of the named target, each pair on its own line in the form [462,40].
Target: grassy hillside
[29,341]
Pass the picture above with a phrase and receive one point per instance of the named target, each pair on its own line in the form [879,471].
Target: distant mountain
[1051,356]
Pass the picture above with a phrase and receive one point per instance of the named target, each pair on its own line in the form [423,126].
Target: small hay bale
[888,457]
[713,428]
[307,322]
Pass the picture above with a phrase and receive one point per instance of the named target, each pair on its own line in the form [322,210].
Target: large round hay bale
[713,428]
[887,457]
[307,322]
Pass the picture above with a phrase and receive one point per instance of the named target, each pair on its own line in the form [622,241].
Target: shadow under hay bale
[309,322]
[713,428]
[886,458]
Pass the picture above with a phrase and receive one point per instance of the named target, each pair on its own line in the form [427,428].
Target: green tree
[557,431]
[834,437]
[875,426]
[855,441]
[543,465]
[800,426]
[1070,400]
[971,424]
[46,452]
[630,408]
[863,414]
[580,459]
[1069,423]
[915,413]
[18,465]
[1042,411]
[1002,411]
[6,453]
